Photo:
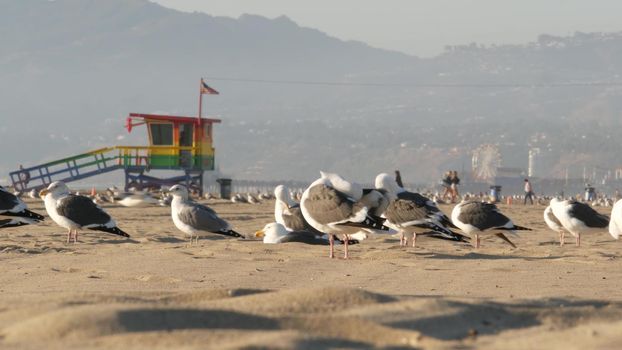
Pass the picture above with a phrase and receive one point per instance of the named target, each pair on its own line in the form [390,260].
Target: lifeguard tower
[174,143]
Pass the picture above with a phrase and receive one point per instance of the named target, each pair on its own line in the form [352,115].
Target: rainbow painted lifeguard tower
[183,144]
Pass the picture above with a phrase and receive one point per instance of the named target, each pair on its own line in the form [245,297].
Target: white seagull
[333,206]
[553,223]
[14,212]
[75,212]
[615,224]
[195,219]
[275,233]
[410,212]
[477,218]
[577,217]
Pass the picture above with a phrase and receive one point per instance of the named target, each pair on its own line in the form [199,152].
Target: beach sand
[155,291]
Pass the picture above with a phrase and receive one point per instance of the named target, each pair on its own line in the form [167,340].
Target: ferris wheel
[485,161]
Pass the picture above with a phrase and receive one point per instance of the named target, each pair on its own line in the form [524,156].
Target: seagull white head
[386,182]
[272,232]
[179,191]
[281,192]
[55,189]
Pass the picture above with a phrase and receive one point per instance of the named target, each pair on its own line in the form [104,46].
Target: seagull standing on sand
[411,212]
[75,212]
[195,219]
[615,224]
[553,223]
[333,205]
[477,218]
[14,212]
[577,217]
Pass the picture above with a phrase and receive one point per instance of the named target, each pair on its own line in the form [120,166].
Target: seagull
[138,200]
[14,212]
[615,224]
[477,218]
[333,205]
[75,212]
[288,213]
[553,223]
[577,217]
[252,199]
[195,219]
[275,233]
[410,212]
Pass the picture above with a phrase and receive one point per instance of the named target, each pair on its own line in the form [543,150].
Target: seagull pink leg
[414,239]
[561,238]
[68,236]
[331,242]
[345,246]
[75,236]
[477,241]
[403,240]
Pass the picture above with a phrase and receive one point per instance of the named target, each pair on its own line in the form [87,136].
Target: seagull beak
[43,193]
[260,234]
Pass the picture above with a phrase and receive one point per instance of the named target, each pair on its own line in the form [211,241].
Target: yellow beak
[43,193]
[260,234]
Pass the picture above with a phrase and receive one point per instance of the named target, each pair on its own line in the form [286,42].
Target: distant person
[528,192]
[590,193]
[398,178]
[446,183]
[454,181]
[24,176]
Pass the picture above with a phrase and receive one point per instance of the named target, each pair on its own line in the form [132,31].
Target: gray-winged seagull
[333,205]
[577,217]
[14,212]
[275,233]
[410,212]
[75,212]
[196,219]
[477,218]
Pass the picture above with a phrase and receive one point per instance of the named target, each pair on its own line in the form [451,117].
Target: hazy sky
[424,27]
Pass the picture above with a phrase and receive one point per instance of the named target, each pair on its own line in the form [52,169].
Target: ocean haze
[73,69]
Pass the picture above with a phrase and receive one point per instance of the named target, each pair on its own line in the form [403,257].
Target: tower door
[186,133]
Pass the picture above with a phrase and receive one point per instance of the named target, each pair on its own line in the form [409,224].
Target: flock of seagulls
[330,211]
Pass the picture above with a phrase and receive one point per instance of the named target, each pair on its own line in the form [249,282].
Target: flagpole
[200,101]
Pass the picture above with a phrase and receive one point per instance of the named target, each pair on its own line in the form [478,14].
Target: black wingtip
[33,215]
[521,228]
[114,230]
[232,233]
[27,214]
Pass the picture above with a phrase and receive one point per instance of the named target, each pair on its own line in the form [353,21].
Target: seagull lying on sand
[14,212]
[333,205]
[196,219]
[75,212]
[410,212]
[275,233]
[477,218]
[577,217]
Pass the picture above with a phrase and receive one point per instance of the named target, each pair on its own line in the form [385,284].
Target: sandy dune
[155,291]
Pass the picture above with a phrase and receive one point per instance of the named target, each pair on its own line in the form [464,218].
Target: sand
[155,291]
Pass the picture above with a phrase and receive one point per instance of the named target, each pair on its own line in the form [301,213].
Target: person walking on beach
[454,181]
[446,183]
[528,192]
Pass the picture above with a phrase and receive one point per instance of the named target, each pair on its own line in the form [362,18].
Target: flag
[205,89]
